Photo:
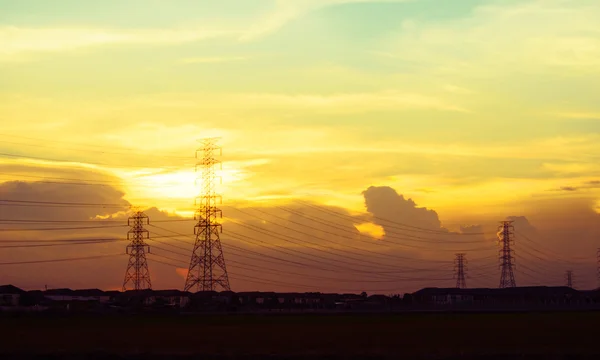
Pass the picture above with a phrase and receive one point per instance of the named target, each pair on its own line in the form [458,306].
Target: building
[168,298]
[69,295]
[533,296]
[10,295]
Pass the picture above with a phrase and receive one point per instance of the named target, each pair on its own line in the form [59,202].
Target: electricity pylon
[137,272]
[569,278]
[207,271]
[459,270]
[505,236]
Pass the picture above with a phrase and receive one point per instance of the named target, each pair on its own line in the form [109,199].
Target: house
[252,298]
[444,296]
[10,295]
[69,295]
[172,298]
[225,297]
[518,296]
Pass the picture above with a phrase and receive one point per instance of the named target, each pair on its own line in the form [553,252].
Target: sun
[178,189]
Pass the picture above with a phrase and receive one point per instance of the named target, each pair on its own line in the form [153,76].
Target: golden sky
[477,109]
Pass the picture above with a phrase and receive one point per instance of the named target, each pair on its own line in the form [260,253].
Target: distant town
[13,299]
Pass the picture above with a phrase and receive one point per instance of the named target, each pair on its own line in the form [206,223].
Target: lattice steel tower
[505,236]
[137,269]
[207,271]
[459,270]
[569,278]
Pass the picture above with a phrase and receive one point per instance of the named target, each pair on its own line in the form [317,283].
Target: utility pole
[506,239]
[137,272]
[569,278]
[207,271]
[459,271]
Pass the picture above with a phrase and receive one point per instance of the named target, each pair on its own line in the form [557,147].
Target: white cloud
[532,35]
[330,103]
[16,40]
[353,102]
[577,115]
[216,59]
[288,10]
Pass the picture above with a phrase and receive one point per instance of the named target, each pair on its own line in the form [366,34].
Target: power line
[279,283]
[329,250]
[404,237]
[62,228]
[294,240]
[387,232]
[63,203]
[66,240]
[60,260]
[551,253]
[20,156]
[84,182]
[279,271]
[295,263]
[98,221]
[55,244]
[104,152]
[391,221]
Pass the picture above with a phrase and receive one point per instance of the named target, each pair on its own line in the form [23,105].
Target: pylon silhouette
[459,269]
[505,236]
[207,271]
[569,278]
[137,272]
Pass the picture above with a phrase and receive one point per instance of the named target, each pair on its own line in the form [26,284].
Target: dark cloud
[522,224]
[385,203]
[569,188]
[54,193]
[471,229]
[321,242]
[594,184]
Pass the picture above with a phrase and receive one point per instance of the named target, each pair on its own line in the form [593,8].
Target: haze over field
[378,137]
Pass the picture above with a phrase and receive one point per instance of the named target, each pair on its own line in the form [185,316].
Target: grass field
[406,335]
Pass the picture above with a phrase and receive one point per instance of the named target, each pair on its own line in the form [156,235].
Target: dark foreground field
[410,336]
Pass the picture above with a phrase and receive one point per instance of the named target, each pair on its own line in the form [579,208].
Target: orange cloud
[182,272]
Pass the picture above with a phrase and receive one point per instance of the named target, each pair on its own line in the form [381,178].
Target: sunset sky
[479,110]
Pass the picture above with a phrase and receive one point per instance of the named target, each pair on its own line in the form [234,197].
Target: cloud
[568,188]
[336,103]
[570,167]
[61,193]
[356,102]
[384,201]
[522,223]
[508,36]
[471,229]
[587,185]
[578,115]
[370,229]
[212,60]
[17,40]
[288,10]
[282,236]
